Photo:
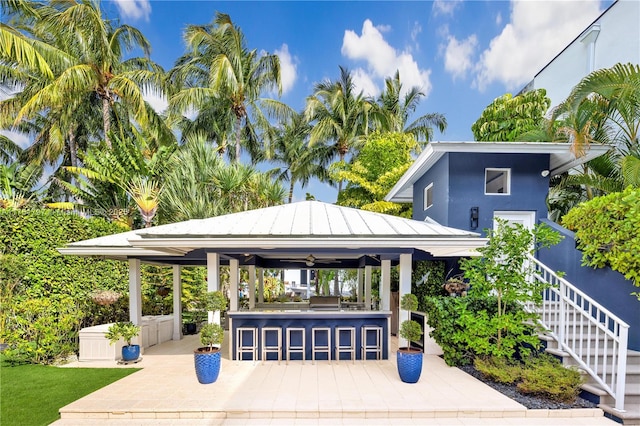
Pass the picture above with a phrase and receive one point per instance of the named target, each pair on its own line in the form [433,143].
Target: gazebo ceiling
[284,236]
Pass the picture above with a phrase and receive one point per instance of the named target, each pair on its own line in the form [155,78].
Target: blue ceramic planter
[207,366]
[409,365]
[131,352]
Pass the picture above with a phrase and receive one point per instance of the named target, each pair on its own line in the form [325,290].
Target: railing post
[621,371]
[561,322]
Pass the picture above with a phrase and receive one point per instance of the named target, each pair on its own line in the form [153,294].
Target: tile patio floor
[166,392]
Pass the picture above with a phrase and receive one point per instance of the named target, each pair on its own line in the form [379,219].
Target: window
[497,181]
[428,196]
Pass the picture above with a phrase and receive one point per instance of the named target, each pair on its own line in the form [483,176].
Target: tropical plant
[122,330]
[395,106]
[199,184]
[606,233]
[287,146]
[508,116]
[119,179]
[223,80]
[80,54]
[374,170]
[17,184]
[339,115]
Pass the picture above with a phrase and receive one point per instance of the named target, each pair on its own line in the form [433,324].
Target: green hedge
[45,296]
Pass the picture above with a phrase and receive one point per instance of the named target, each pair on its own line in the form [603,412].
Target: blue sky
[463,54]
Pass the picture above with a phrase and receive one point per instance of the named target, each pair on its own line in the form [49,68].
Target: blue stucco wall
[528,188]
[459,185]
[606,286]
[439,175]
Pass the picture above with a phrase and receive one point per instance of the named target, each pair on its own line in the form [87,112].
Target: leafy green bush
[443,316]
[462,327]
[503,270]
[607,232]
[545,376]
[42,330]
[541,375]
[498,369]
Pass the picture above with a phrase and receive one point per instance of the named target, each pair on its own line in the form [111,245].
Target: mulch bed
[529,401]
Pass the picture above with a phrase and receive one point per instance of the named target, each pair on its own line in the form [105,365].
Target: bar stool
[242,347]
[350,347]
[266,347]
[318,348]
[293,348]
[376,346]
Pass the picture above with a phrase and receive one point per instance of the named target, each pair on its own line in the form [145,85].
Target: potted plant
[409,360]
[207,357]
[127,331]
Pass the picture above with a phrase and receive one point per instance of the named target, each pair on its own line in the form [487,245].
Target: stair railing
[594,337]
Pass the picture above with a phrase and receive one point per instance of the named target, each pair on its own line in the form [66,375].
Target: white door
[525,218]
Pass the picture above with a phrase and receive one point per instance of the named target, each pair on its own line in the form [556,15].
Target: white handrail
[570,315]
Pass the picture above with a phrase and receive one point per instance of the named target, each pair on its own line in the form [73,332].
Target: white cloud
[364,83]
[445,7]
[537,31]
[134,9]
[458,55]
[499,19]
[288,68]
[382,59]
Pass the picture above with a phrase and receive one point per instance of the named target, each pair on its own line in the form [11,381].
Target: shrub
[545,376]
[606,230]
[211,334]
[503,271]
[498,369]
[443,316]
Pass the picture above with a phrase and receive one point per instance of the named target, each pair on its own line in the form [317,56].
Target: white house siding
[618,41]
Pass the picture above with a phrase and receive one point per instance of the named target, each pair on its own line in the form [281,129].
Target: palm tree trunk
[238,129]
[106,120]
[73,149]
[291,191]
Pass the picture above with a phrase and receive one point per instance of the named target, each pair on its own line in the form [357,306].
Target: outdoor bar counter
[308,319]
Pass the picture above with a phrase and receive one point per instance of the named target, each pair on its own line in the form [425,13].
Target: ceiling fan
[310,260]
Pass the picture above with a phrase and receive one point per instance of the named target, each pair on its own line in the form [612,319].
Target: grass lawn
[33,394]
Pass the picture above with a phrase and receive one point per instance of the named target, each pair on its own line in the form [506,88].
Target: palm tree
[288,146]
[339,115]
[85,56]
[394,109]
[219,68]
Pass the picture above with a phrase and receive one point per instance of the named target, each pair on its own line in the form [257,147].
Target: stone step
[631,415]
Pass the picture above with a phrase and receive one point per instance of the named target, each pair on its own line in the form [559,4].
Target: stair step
[631,415]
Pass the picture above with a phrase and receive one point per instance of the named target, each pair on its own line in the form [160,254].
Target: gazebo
[303,235]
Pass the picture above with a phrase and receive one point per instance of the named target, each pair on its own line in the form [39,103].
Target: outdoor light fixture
[544,173]
[474,217]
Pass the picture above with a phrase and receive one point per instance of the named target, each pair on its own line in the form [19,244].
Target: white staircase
[585,334]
